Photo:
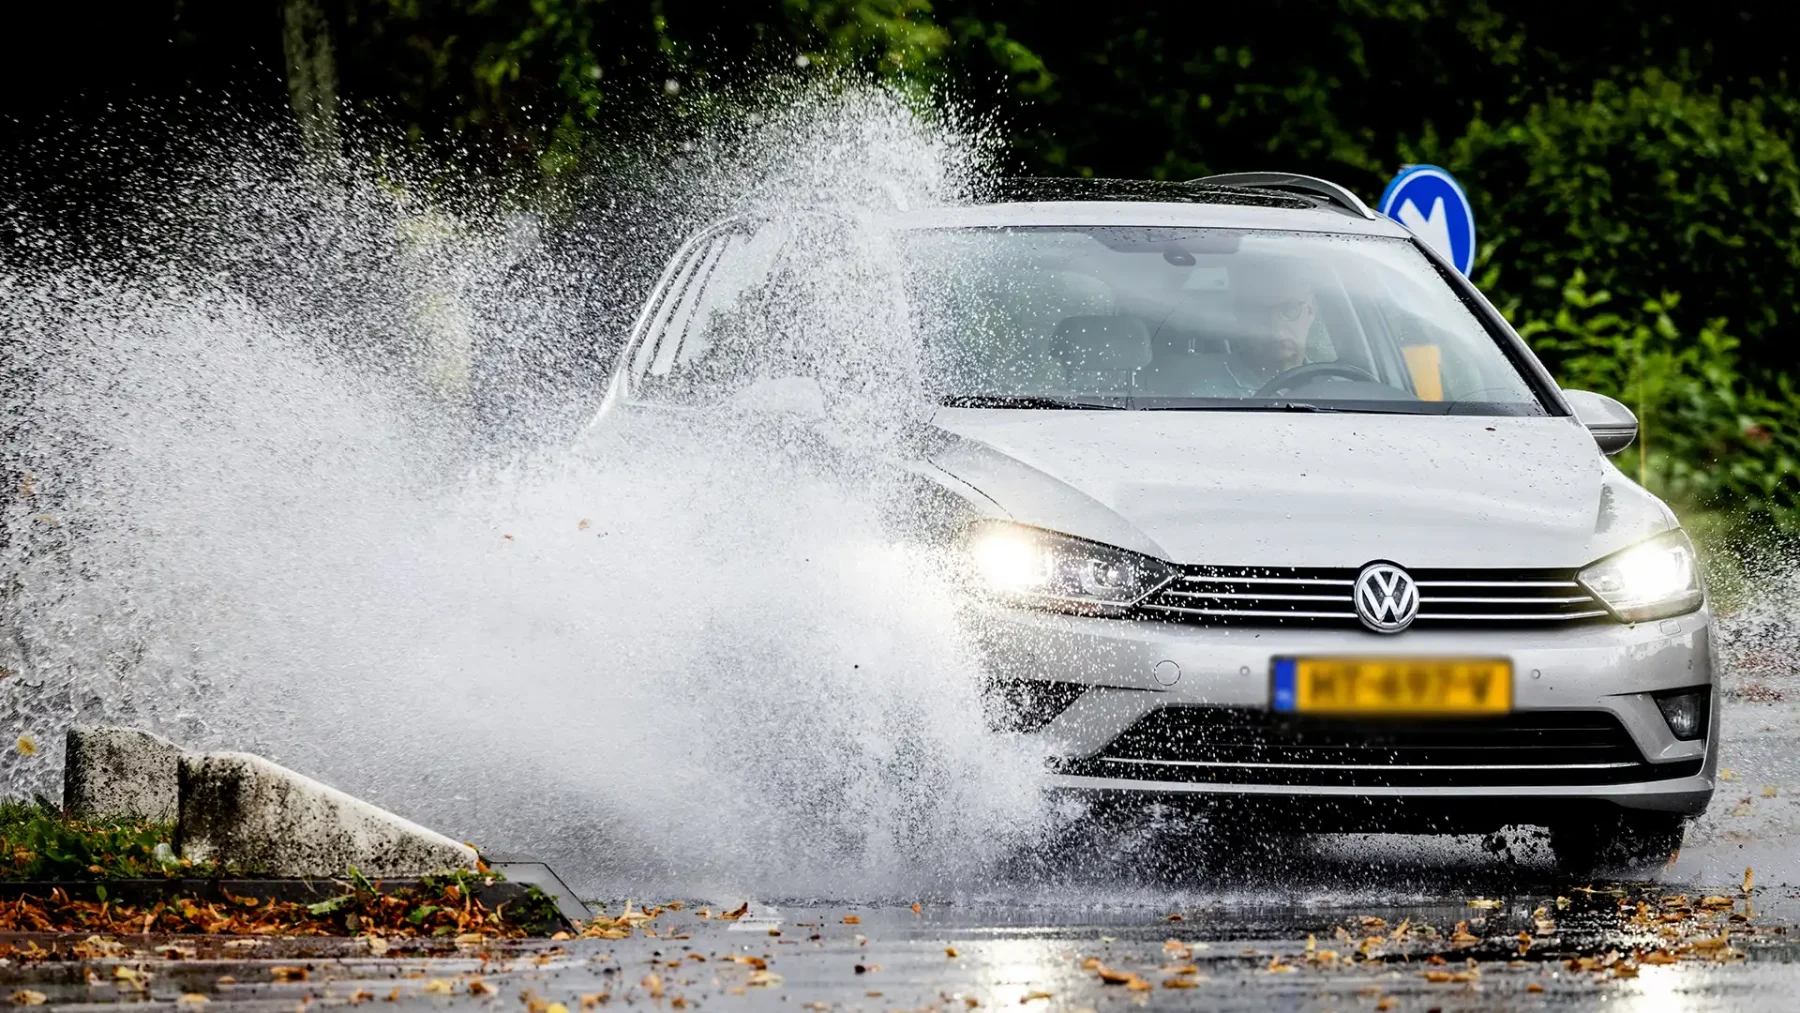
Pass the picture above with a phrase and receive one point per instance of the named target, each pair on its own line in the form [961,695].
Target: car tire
[1625,843]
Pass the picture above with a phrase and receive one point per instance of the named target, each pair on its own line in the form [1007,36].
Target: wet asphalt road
[1383,917]
[1228,955]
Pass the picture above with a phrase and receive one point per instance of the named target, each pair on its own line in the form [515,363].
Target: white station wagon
[1273,513]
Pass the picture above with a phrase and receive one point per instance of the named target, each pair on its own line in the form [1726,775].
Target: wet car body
[1259,525]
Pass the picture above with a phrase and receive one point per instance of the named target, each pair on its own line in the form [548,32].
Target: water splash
[291,470]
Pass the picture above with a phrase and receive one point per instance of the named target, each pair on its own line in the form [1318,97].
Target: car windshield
[1075,317]
[1157,318]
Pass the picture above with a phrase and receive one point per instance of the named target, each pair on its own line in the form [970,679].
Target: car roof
[1093,202]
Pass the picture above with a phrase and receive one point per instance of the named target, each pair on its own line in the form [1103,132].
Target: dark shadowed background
[1633,165]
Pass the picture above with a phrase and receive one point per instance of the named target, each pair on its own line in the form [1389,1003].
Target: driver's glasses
[1290,310]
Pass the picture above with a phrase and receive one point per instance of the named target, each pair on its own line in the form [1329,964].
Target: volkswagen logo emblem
[1387,600]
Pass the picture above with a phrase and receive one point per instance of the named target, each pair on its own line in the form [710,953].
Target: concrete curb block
[120,772]
[244,811]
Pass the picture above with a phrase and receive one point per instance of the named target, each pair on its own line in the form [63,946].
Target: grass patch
[41,844]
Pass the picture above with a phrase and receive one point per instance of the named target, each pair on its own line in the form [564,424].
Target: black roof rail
[1293,182]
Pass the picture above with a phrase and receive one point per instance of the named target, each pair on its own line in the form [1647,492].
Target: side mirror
[1613,425]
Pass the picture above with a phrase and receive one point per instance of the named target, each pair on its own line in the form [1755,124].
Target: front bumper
[1132,668]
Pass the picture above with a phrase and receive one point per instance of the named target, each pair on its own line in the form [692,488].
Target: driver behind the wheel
[1276,311]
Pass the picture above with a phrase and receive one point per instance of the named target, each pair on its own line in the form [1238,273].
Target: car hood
[1280,489]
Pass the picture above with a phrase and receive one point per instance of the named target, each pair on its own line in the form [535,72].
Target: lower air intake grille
[1292,596]
[1228,745]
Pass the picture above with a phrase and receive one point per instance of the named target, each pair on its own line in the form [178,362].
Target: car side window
[683,337]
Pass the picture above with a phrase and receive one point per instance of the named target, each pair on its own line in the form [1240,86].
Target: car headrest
[1097,344]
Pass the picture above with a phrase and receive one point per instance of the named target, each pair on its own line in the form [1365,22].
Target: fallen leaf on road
[1027,997]
[950,951]
[852,920]
[1485,904]
[1442,977]
[26,997]
[439,986]
[732,916]
[1110,976]
[764,979]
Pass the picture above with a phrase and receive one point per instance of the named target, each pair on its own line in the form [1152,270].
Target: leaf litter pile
[444,906]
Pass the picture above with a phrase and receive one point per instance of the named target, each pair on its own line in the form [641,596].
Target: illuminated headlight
[1056,571]
[1651,580]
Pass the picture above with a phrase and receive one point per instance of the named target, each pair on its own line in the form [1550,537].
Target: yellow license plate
[1399,686]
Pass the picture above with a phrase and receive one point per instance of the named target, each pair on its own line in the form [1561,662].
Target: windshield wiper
[1276,406]
[1025,401]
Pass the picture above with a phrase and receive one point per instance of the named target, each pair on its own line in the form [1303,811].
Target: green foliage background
[1633,164]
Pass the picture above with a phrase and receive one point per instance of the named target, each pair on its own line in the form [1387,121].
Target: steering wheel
[1301,375]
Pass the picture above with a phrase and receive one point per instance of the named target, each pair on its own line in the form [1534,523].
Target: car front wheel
[1624,843]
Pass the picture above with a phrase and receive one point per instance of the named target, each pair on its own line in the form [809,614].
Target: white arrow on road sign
[1449,227]
[1433,228]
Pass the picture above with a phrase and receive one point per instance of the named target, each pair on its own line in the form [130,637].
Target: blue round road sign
[1431,203]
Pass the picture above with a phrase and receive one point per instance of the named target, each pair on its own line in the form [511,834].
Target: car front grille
[1230,745]
[1289,596]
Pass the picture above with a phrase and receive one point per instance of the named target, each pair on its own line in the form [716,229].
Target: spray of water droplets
[301,468]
